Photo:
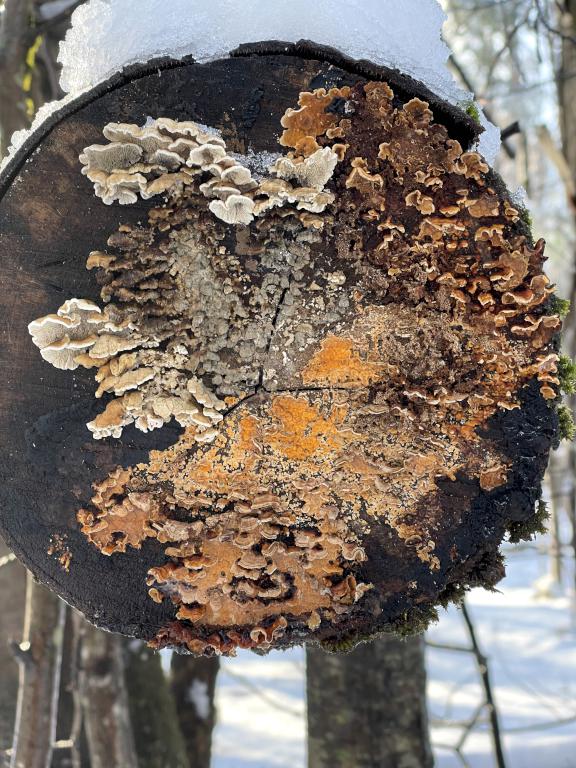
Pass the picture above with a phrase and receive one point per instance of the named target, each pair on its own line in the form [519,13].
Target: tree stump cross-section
[280,363]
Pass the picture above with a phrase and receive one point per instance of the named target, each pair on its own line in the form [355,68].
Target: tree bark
[16,36]
[72,750]
[194,685]
[566,84]
[40,656]
[567,108]
[367,709]
[23,22]
[12,598]
[158,739]
[105,701]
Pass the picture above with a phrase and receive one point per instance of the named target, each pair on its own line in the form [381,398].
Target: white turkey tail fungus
[164,154]
[150,161]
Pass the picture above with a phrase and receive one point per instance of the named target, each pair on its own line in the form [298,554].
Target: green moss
[566,423]
[348,643]
[526,216]
[415,621]
[526,530]
[567,375]
[558,306]
[454,593]
[473,111]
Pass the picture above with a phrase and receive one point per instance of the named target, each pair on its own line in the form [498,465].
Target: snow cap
[107,35]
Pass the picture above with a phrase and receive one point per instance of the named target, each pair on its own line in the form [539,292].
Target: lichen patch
[337,364]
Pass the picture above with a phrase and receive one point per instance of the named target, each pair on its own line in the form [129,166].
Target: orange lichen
[247,554]
[302,430]
[338,364]
[242,573]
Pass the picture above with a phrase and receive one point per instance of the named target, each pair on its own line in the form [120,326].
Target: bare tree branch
[488,705]
[557,158]
[482,662]
[459,69]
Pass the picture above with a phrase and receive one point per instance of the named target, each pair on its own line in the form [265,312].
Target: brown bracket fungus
[304,381]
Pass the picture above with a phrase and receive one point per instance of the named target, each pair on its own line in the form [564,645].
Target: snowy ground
[531,644]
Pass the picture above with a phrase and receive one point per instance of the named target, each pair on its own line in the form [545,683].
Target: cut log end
[316,354]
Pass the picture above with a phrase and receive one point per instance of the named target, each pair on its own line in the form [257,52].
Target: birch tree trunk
[367,709]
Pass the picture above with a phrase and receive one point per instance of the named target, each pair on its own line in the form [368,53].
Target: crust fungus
[336,334]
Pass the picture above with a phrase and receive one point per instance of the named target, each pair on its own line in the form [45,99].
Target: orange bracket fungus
[281,366]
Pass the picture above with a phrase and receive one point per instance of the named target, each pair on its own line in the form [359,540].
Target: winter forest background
[501,675]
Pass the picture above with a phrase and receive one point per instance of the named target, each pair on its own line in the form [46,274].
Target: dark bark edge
[466,129]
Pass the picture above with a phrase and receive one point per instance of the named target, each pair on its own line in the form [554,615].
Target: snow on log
[295,363]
